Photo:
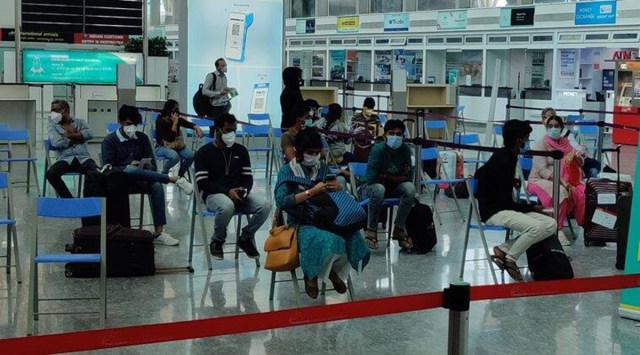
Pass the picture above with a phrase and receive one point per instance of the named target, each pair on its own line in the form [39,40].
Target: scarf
[569,171]
[299,170]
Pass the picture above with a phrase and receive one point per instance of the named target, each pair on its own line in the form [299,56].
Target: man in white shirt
[215,87]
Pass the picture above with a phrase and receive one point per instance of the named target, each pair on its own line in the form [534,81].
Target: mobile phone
[329,178]
[242,193]
[237,28]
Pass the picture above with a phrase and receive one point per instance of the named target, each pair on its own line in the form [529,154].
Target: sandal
[403,239]
[337,282]
[311,290]
[371,237]
[512,269]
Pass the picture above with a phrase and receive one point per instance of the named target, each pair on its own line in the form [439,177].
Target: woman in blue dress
[323,254]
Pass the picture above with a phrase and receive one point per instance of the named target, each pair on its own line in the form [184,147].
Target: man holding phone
[224,176]
[130,150]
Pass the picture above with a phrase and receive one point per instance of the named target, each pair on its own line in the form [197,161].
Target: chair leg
[80,183]
[238,220]
[33,284]
[28,178]
[272,287]
[488,255]
[389,228]
[204,239]
[465,245]
[8,257]
[192,232]
[455,199]
[296,288]
[350,288]
[141,211]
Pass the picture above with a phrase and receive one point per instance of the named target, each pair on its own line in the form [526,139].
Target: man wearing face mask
[215,87]
[390,174]
[365,123]
[225,178]
[496,182]
[130,150]
[301,113]
[69,139]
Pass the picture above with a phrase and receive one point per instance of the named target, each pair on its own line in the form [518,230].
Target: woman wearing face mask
[323,254]
[572,189]
[337,146]
[291,95]
[366,123]
[301,113]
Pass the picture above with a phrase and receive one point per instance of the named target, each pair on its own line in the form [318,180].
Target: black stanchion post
[456,300]
[556,189]
[600,143]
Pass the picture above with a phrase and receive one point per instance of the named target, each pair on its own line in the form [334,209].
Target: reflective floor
[569,324]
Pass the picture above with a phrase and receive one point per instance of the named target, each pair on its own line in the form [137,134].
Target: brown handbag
[281,246]
[177,144]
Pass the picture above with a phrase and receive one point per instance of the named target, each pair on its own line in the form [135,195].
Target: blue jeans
[150,182]
[173,157]
[256,206]
[376,194]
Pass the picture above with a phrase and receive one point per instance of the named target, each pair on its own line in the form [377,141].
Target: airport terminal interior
[472,64]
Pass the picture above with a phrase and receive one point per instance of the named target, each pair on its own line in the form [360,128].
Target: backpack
[201,103]
[547,260]
[337,211]
[114,185]
[421,229]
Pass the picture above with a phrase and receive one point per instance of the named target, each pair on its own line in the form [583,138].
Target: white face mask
[130,131]
[223,69]
[310,160]
[55,117]
[229,138]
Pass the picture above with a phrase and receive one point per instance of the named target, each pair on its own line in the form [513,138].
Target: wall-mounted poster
[596,13]
[382,69]
[452,20]
[259,98]
[348,24]
[317,69]
[337,64]
[568,63]
[305,26]
[398,22]
[520,16]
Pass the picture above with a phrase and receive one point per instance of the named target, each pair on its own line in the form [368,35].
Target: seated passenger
[301,113]
[130,150]
[390,174]
[169,141]
[366,123]
[223,174]
[323,254]
[69,138]
[572,191]
[339,153]
[314,111]
[497,206]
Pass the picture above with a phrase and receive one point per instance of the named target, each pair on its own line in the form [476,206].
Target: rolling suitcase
[601,209]
[624,218]
[130,252]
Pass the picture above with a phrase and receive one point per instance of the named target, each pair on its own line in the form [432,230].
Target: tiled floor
[570,324]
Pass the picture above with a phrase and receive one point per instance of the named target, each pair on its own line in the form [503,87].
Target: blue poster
[337,64]
[596,13]
[397,22]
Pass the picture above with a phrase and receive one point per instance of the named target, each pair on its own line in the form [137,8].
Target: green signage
[80,67]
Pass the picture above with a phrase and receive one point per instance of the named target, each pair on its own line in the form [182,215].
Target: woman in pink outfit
[572,189]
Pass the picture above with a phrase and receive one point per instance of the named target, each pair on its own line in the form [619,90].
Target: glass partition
[303,8]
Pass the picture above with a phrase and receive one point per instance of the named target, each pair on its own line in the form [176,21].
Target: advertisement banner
[348,24]
[596,13]
[521,16]
[398,22]
[79,67]
[338,64]
[452,20]
[305,26]
[247,34]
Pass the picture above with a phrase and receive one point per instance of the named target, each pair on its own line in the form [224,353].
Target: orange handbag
[281,246]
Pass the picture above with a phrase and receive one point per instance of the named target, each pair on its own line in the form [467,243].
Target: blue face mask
[394,142]
[554,133]
[308,122]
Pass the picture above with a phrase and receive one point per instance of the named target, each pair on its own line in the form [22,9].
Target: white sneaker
[166,239]
[184,185]
[563,239]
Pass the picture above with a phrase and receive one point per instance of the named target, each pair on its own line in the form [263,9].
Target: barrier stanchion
[556,190]
[457,299]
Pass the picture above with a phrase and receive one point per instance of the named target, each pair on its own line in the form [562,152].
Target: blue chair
[200,211]
[383,118]
[436,125]
[497,132]
[358,173]
[427,154]
[4,127]
[12,235]
[260,128]
[10,137]
[474,212]
[48,148]
[67,208]
[206,126]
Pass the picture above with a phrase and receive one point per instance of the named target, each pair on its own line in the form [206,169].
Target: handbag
[177,144]
[281,246]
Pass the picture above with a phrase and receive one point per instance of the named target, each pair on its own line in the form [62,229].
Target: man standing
[69,139]
[215,87]
[496,181]
[223,175]
[389,174]
[130,150]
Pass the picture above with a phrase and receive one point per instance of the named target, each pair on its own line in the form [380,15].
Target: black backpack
[114,185]
[201,103]
[421,229]
[547,260]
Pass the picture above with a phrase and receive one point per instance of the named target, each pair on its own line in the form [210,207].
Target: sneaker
[563,239]
[246,244]
[184,185]
[215,248]
[166,239]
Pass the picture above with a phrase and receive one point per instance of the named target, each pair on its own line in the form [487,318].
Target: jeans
[223,206]
[534,227]
[150,182]
[61,167]
[376,194]
[173,157]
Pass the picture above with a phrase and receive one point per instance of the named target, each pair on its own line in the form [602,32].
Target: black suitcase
[114,186]
[421,229]
[607,192]
[624,218]
[130,252]
[547,260]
